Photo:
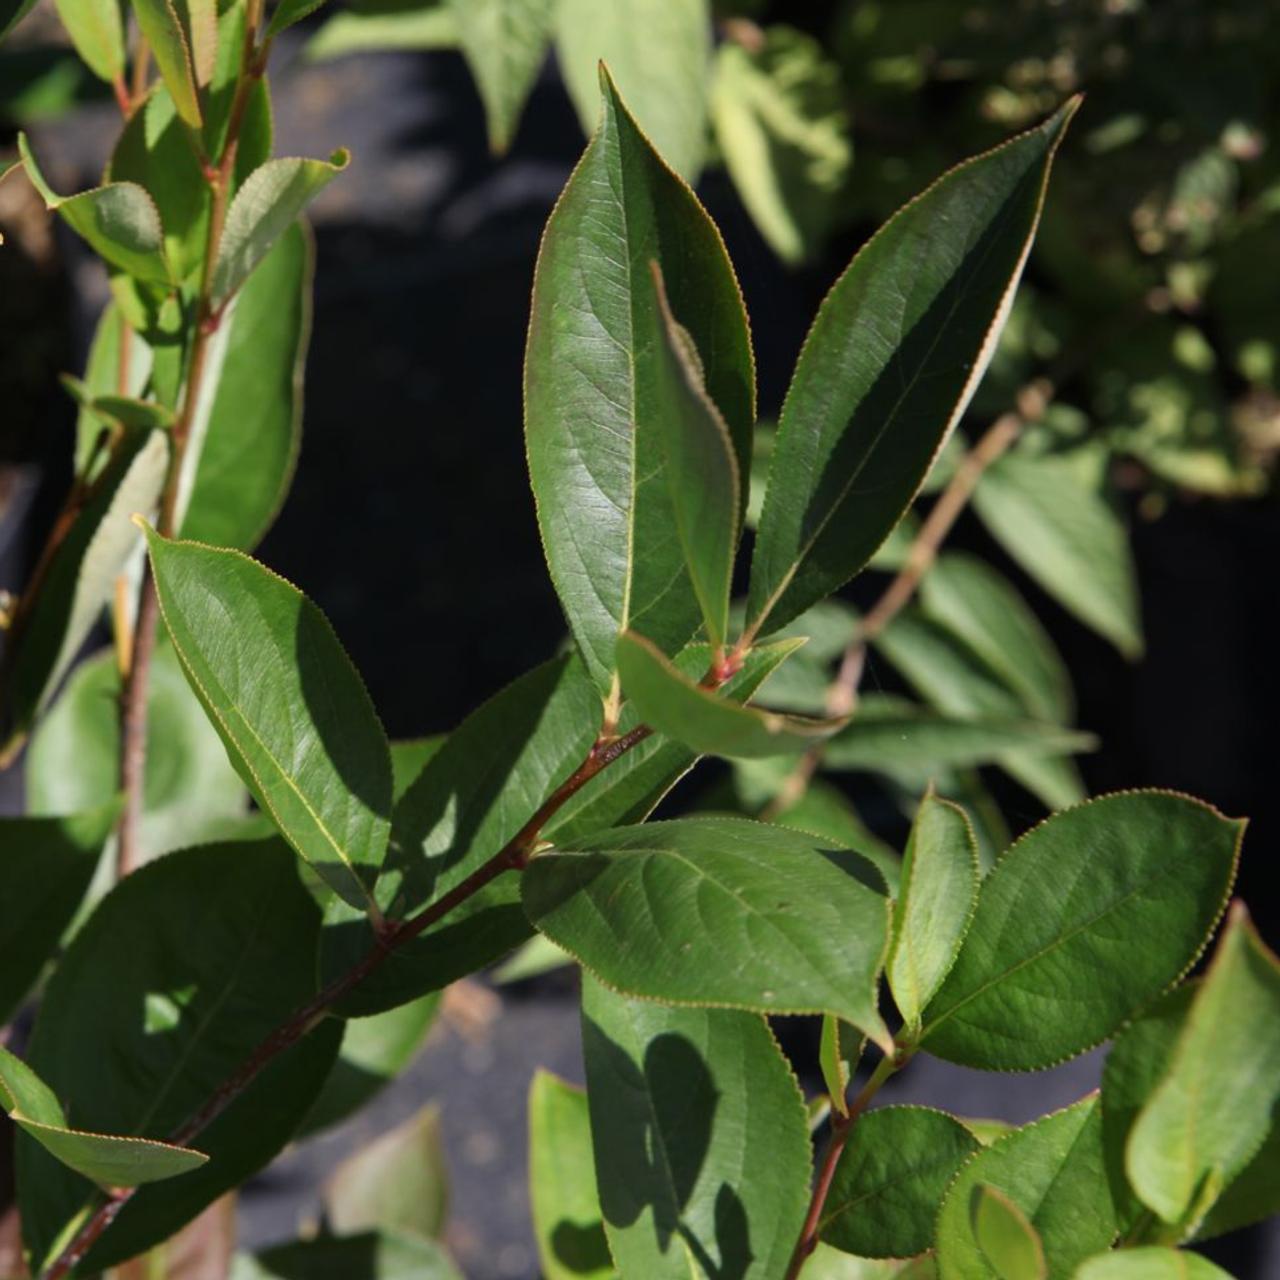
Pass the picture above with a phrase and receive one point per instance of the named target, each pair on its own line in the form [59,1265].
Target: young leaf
[264,208]
[1130,884]
[702,469]
[1051,1171]
[46,865]
[1150,1263]
[567,1221]
[701,1142]
[1008,1242]
[690,713]
[718,911]
[118,221]
[505,43]
[107,1160]
[1068,539]
[593,376]
[287,703]
[371,1255]
[659,52]
[1205,1120]
[163,30]
[838,1053]
[133,1038]
[891,1176]
[940,877]
[97,31]
[893,357]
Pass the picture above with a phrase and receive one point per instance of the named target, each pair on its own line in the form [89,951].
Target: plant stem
[841,1128]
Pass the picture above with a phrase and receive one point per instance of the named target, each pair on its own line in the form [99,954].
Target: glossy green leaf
[46,865]
[931,914]
[371,1255]
[1150,1263]
[74,759]
[289,12]
[593,375]
[1008,1242]
[96,29]
[1068,539]
[133,1038]
[697,716]
[264,208]
[718,911]
[164,31]
[701,1143]
[701,468]
[107,1160]
[567,1222]
[426,26]
[658,52]
[505,44]
[839,1052]
[246,436]
[1131,885]
[891,1177]
[287,703]
[783,130]
[80,579]
[397,1182]
[119,221]
[896,351]
[1205,1120]
[1052,1172]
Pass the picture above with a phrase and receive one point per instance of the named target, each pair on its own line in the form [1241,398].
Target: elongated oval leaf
[1129,884]
[593,370]
[164,32]
[889,1182]
[718,911]
[1052,1172]
[1007,1240]
[1150,1263]
[939,889]
[893,357]
[700,1138]
[134,1038]
[97,31]
[286,701]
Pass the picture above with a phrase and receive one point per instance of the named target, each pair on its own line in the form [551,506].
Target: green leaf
[109,1161]
[429,25]
[102,377]
[701,1142]
[163,30]
[891,735]
[1205,1120]
[371,1255]
[718,911]
[891,1176]
[74,760]
[826,1263]
[1008,1242]
[892,359]
[1052,1172]
[505,43]
[46,865]
[940,877]
[697,716]
[659,54]
[783,130]
[593,380]
[395,1183]
[200,25]
[219,99]
[536,956]
[289,12]
[80,579]
[409,757]
[1068,539]
[839,1051]
[134,1038]
[97,31]
[374,1052]
[1253,1195]
[264,208]
[245,438]
[119,222]
[1150,1263]
[567,1222]
[287,703]
[701,467]
[11,13]
[1131,885]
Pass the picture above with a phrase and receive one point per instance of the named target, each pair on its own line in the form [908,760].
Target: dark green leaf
[408,759]
[718,911]
[890,1179]
[890,364]
[372,1255]
[1130,885]
[164,31]
[592,378]
[701,1143]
